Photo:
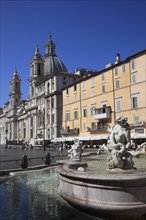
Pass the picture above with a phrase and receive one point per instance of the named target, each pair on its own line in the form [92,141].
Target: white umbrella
[58,140]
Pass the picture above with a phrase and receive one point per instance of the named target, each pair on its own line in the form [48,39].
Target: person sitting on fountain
[118,146]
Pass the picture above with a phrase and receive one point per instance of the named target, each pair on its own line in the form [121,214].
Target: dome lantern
[52,64]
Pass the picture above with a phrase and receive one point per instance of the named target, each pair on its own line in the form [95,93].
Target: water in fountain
[97,164]
[33,195]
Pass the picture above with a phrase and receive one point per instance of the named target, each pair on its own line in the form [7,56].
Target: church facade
[41,115]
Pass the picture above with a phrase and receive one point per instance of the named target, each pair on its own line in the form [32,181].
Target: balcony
[102,113]
[138,124]
[69,131]
[97,128]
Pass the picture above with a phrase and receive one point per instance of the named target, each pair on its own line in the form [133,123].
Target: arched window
[32,69]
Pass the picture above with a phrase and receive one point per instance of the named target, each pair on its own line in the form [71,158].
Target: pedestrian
[64,145]
[61,148]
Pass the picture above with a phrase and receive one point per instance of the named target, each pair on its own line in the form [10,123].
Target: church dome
[52,63]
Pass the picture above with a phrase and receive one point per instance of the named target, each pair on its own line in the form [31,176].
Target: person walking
[61,148]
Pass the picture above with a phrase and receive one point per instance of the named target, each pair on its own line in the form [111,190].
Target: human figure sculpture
[75,151]
[118,146]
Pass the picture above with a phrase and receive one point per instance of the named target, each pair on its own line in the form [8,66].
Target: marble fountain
[118,191]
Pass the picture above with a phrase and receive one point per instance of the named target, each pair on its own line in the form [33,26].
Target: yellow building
[91,106]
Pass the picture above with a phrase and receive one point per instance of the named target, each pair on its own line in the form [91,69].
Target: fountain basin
[105,194]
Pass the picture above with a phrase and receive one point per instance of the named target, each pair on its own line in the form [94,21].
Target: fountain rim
[66,170]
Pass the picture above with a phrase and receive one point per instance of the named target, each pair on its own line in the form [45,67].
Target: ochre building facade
[91,105]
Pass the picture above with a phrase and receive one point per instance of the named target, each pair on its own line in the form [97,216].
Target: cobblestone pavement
[12,158]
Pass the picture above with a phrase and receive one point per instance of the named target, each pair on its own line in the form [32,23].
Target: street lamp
[6,138]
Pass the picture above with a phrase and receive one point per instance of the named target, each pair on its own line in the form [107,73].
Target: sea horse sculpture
[119,145]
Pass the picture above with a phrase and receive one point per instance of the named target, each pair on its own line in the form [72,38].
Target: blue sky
[87,34]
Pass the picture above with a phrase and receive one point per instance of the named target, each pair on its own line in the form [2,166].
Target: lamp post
[6,138]
[44,142]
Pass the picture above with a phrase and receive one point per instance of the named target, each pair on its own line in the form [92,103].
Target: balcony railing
[102,113]
[70,131]
[138,124]
[97,128]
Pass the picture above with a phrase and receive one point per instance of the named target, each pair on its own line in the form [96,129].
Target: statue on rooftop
[119,145]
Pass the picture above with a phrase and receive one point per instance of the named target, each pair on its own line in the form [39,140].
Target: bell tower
[15,100]
[36,71]
[15,90]
[36,64]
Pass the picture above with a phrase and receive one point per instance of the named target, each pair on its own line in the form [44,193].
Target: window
[64,80]
[133,78]
[136,120]
[24,132]
[103,76]
[39,68]
[31,133]
[68,115]
[32,91]
[134,101]
[76,114]
[53,132]
[32,69]
[104,104]
[48,88]
[53,118]
[123,68]
[43,120]
[67,91]
[67,99]
[83,94]
[52,84]
[83,85]
[103,88]
[117,83]
[93,125]
[92,109]
[92,92]
[75,87]
[92,81]
[75,97]
[31,122]
[118,104]
[48,118]
[16,85]
[84,112]
[48,104]
[52,103]
[132,64]
[116,71]
[103,107]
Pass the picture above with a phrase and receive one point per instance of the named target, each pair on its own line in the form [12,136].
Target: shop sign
[139,130]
